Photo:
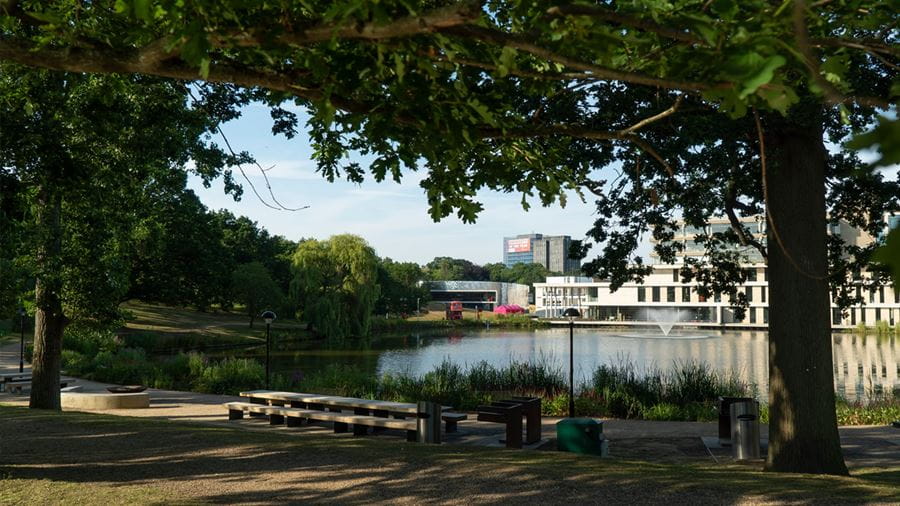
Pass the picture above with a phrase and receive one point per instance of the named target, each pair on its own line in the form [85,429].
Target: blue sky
[392,217]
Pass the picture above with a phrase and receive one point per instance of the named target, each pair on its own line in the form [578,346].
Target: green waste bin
[580,435]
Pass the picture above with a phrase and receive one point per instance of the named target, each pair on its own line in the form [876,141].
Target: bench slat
[327,416]
[337,401]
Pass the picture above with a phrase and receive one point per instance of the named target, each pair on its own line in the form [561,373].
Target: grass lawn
[92,459]
[179,325]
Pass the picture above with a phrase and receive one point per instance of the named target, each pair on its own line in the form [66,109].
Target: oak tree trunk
[49,321]
[803,435]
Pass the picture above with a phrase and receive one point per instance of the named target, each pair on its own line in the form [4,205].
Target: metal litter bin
[725,417]
[745,430]
[428,423]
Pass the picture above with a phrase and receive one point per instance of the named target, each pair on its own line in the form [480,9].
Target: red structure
[454,310]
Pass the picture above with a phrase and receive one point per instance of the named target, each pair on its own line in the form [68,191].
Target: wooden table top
[337,401]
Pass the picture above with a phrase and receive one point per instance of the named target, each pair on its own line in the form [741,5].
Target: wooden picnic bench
[19,381]
[293,417]
[510,413]
[384,409]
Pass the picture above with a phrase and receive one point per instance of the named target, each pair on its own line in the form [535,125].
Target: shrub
[882,328]
[74,363]
[230,376]
[89,339]
[861,329]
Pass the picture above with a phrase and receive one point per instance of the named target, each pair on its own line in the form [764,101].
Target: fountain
[665,318]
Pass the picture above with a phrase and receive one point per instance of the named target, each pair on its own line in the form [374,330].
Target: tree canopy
[709,107]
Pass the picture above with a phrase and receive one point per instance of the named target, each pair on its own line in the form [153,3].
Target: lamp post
[21,339]
[571,313]
[269,317]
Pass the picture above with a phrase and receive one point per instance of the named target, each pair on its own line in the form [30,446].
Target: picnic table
[292,407]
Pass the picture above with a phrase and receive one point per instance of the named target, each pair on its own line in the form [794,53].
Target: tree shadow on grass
[230,464]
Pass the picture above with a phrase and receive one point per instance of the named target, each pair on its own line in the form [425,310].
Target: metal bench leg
[276,419]
[257,400]
[382,414]
[235,414]
[451,426]
[412,436]
[339,427]
[514,431]
[360,430]
[293,421]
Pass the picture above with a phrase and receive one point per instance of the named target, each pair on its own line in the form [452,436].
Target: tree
[402,287]
[81,147]
[455,269]
[336,285]
[253,287]
[178,255]
[519,96]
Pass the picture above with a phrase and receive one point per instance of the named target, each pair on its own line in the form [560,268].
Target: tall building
[550,251]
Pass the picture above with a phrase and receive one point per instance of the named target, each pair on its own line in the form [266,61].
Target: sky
[392,217]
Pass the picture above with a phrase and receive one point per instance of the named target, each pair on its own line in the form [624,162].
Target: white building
[634,303]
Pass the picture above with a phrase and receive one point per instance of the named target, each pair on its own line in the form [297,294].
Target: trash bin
[725,417]
[746,438]
[581,435]
[428,423]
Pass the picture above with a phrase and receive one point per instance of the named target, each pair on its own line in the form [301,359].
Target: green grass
[77,458]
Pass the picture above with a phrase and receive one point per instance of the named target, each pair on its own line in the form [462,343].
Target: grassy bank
[76,458]
[390,325]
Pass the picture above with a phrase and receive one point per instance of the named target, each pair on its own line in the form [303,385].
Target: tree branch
[736,225]
[429,22]
[497,37]
[832,94]
[657,117]
[624,20]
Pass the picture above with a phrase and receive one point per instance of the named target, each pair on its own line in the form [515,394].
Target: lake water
[862,365]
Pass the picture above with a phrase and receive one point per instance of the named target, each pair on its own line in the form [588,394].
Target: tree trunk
[49,321]
[803,435]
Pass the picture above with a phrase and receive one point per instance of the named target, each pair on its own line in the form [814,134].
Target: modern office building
[550,251]
[479,294]
[663,290]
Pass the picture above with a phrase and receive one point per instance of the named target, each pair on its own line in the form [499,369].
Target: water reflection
[863,366]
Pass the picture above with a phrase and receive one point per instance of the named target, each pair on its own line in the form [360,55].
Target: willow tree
[535,97]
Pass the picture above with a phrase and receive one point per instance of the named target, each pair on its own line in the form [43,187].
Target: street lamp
[571,313]
[21,339]
[269,317]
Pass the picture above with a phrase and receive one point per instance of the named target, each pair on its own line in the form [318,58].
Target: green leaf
[727,9]
[763,75]
[143,11]
[889,255]
[883,138]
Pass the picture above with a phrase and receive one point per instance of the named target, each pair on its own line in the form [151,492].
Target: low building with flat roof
[479,294]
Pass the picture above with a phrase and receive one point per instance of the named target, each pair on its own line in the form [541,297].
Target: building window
[670,294]
[896,294]
[765,315]
[858,292]
[642,294]
[656,292]
[871,295]
[852,316]
[881,294]
[835,316]
[862,315]
[766,273]
[752,312]
[675,275]
[685,294]
[762,293]
[749,291]
[751,274]
[877,314]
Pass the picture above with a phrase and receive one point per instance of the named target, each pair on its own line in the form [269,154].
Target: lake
[862,365]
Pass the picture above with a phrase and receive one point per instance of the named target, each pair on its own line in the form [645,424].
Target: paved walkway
[864,446]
